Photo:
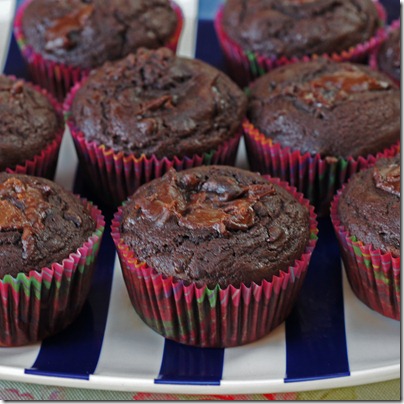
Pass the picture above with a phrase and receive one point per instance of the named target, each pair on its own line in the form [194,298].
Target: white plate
[131,354]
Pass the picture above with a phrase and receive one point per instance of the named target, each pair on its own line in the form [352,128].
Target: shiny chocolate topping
[388,178]
[329,89]
[221,204]
[61,34]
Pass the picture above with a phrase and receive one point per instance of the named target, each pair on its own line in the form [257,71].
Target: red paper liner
[56,77]
[42,303]
[246,66]
[200,316]
[373,63]
[44,163]
[374,275]
[316,177]
[118,175]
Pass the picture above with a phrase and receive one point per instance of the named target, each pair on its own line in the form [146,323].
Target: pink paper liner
[118,175]
[374,54]
[56,77]
[217,317]
[316,177]
[374,275]
[42,303]
[44,163]
[246,66]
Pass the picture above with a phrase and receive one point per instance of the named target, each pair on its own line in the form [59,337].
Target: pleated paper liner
[42,303]
[44,163]
[374,275]
[56,77]
[116,176]
[245,66]
[316,177]
[374,54]
[204,317]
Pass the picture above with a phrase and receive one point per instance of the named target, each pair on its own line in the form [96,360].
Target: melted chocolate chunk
[388,178]
[215,225]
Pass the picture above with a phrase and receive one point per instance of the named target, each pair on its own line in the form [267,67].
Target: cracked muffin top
[215,225]
[334,109]
[28,122]
[86,33]
[40,223]
[294,28]
[369,206]
[156,103]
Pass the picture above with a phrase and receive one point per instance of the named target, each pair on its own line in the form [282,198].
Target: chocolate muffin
[389,55]
[215,225]
[28,122]
[327,108]
[85,34]
[40,223]
[369,206]
[154,103]
[295,28]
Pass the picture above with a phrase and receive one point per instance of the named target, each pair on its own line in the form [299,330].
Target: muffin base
[42,303]
[205,317]
[374,275]
[245,66]
[316,177]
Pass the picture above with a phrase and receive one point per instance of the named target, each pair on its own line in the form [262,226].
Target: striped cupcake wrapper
[42,303]
[246,66]
[58,78]
[44,163]
[316,177]
[118,175]
[396,24]
[204,317]
[374,275]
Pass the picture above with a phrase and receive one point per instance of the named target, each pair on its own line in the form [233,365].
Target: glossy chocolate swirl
[334,109]
[215,225]
[40,223]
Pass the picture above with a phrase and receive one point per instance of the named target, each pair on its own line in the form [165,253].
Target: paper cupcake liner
[316,177]
[246,66]
[118,175]
[56,77]
[205,317]
[374,54]
[44,163]
[374,275]
[42,303]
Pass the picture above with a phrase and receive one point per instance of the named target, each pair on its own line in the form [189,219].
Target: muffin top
[28,122]
[334,109]
[40,223]
[294,28]
[86,33]
[215,225]
[154,102]
[389,55]
[369,206]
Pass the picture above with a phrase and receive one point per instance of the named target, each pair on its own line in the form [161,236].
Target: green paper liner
[204,317]
[245,66]
[374,275]
[316,177]
[56,77]
[116,176]
[41,303]
[44,163]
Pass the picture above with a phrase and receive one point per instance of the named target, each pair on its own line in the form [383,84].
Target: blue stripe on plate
[183,364]
[315,331]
